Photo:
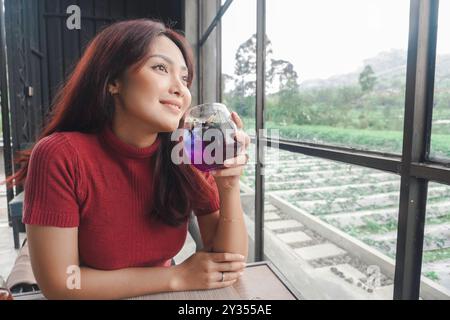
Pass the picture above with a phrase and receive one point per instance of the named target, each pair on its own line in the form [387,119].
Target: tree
[283,72]
[367,79]
[279,72]
[226,79]
[245,68]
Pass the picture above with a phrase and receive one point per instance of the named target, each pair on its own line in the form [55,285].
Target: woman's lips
[172,107]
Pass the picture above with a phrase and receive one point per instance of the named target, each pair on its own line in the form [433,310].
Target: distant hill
[390,70]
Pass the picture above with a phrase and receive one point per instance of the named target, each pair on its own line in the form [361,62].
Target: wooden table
[260,281]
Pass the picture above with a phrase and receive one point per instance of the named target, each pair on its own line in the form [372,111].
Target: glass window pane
[436,247]
[336,71]
[239,60]
[440,134]
[212,8]
[330,227]
[236,72]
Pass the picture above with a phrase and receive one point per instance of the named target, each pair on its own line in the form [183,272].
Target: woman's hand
[229,177]
[203,270]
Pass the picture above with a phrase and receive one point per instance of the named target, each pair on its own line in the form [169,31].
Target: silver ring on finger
[223,278]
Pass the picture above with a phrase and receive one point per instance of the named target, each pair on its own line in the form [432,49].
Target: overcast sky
[326,37]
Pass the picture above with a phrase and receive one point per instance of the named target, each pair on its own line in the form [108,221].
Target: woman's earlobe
[112,90]
[113,87]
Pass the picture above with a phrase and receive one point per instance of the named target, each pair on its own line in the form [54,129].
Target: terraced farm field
[361,203]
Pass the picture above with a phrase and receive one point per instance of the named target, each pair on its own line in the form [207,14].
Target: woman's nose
[177,92]
[177,88]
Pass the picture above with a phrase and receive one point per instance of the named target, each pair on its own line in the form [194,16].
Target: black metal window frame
[414,165]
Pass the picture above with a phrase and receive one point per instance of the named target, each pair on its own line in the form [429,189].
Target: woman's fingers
[237,120]
[242,138]
[241,159]
[217,285]
[226,257]
[229,276]
[231,265]
[233,171]
[235,266]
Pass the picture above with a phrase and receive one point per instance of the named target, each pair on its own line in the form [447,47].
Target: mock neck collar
[126,149]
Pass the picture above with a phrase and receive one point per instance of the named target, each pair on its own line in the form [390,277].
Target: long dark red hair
[84,104]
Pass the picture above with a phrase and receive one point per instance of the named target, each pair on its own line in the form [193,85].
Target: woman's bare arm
[231,232]
[54,253]
[225,230]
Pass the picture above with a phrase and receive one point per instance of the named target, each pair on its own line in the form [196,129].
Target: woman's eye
[185,79]
[160,67]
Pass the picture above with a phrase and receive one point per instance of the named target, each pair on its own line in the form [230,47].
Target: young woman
[105,207]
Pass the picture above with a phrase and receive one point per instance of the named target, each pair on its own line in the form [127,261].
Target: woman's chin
[169,127]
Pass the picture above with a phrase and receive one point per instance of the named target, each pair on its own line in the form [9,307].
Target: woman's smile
[175,108]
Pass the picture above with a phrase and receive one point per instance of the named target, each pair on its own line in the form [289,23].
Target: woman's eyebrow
[167,59]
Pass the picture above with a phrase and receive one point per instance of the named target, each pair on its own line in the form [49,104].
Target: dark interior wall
[42,51]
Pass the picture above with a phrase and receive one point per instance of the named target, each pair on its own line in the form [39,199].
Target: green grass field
[364,139]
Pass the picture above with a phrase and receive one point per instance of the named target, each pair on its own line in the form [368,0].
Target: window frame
[414,165]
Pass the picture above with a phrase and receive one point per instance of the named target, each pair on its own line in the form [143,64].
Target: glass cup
[209,136]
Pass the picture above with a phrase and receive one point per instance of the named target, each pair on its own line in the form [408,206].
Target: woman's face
[156,96]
